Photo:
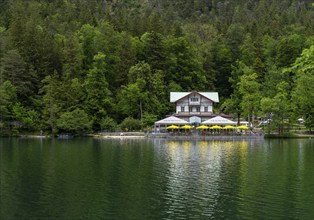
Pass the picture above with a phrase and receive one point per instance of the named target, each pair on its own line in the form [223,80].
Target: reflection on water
[193,164]
[156,179]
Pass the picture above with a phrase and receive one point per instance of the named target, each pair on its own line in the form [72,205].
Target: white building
[194,107]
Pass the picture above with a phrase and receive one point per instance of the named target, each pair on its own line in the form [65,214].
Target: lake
[89,178]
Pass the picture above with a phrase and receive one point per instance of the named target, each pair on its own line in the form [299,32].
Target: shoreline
[142,135]
[120,137]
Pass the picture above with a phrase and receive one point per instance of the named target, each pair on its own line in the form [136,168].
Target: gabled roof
[172,120]
[175,96]
[218,120]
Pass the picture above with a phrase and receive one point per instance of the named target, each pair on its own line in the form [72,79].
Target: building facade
[194,107]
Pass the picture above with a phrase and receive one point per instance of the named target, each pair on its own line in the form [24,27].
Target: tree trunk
[141,110]
[51,116]
[239,116]
[252,116]
[158,6]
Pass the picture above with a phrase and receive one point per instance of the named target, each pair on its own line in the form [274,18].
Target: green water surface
[87,178]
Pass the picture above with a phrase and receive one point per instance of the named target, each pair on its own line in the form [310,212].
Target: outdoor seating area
[217,126]
[208,130]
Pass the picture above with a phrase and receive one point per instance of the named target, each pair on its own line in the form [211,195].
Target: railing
[195,103]
[194,113]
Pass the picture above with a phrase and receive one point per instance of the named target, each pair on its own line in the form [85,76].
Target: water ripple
[158,179]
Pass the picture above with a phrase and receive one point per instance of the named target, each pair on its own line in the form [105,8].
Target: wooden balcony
[194,113]
[194,103]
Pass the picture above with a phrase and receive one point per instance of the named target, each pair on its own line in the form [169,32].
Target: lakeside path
[120,137]
[141,135]
[196,136]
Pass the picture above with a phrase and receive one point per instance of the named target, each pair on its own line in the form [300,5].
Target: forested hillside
[90,65]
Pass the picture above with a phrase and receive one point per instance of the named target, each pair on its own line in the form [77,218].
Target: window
[182,108]
[206,109]
[194,99]
[198,109]
[190,109]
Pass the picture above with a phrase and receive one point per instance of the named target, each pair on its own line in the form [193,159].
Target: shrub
[108,124]
[74,122]
[130,124]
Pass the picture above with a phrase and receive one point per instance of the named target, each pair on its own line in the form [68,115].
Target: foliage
[249,88]
[74,122]
[108,124]
[28,118]
[14,69]
[97,100]
[281,107]
[130,124]
[119,59]
[8,99]
[148,120]
[303,96]
[51,89]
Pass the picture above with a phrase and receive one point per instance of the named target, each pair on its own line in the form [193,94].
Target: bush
[148,120]
[74,122]
[130,124]
[108,124]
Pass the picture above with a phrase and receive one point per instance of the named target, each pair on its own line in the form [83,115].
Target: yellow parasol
[186,127]
[202,127]
[173,127]
[243,127]
[215,127]
[229,127]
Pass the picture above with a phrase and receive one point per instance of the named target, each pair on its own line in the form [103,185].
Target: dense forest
[91,65]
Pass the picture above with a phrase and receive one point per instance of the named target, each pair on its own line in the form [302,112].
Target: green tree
[272,78]
[70,94]
[130,99]
[222,58]
[108,124]
[8,98]
[28,118]
[144,94]
[303,95]
[71,56]
[260,69]
[183,66]
[118,47]
[234,39]
[248,50]
[153,50]
[4,12]
[249,88]
[277,108]
[75,122]
[130,124]
[148,120]
[51,93]
[288,49]
[98,97]
[201,37]
[233,105]
[267,109]
[14,69]
[34,41]
[87,35]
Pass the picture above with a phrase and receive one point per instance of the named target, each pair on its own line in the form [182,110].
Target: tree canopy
[114,60]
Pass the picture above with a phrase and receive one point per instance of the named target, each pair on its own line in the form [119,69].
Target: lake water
[89,178]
